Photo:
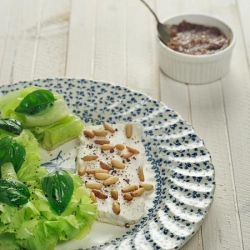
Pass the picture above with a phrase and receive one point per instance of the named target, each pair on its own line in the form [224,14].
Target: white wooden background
[114,41]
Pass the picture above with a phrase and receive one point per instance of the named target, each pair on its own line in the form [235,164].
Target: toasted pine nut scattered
[96,170]
[102,142]
[128,129]
[105,165]
[100,132]
[107,147]
[138,192]
[88,133]
[127,155]
[92,197]
[111,180]
[90,157]
[99,194]
[114,194]
[133,150]
[129,188]
[128,197]
[117,164]
[119,146]
[116,207]
[93,185]
[147,186]
[101,176]
[141,173]
[82,170]
[109,127]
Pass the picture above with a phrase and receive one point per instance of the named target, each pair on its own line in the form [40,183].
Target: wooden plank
[10,43]
[81,47]
[220,229]
[27,41]
[51,55]
[5,17]
[244,7]
[20,41]
[142,65]
[236,94]
[110,47]
[176,96]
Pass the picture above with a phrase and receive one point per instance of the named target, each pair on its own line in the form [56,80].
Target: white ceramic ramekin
[196,69]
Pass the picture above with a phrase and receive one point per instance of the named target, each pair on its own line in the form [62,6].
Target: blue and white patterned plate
[178,164]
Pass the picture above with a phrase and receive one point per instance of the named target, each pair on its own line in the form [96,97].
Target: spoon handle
[151,11]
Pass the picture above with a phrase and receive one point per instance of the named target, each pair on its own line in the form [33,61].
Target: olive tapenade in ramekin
[197,39]
[200,49]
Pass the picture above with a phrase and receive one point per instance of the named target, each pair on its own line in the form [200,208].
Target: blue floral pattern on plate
[181,164]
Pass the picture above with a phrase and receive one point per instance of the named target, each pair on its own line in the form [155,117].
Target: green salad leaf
[36,102]
[35,225]
[51,128]
[52,136]
[58,187]
[13,192]
[11,125]
[12,151]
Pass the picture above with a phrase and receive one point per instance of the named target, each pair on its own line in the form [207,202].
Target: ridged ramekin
[196,69]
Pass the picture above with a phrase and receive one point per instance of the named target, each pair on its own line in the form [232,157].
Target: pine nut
[92,197]
[90,157]
[96,170]
[82,170]
[128,129]
[101,176]
[101,142]
[129,188]
[128,197]
[100,132]
[138,192]
[119,146]
[88,133]
[133,150]
[107,147]
[116,207]
[114,194]
[127,155]
[111,180]
[105,165]
[93,185]
[109,127]
[141,173]
[147,186]
[99,194]
[117,164]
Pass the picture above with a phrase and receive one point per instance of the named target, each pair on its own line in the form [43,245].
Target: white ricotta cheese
[130,211]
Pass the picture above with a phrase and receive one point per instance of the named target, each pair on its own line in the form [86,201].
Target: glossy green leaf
[13,192]
[11,125]
[36,102]
[12,151]
[58,187]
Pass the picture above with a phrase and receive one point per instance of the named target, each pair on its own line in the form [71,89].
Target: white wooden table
[114,41]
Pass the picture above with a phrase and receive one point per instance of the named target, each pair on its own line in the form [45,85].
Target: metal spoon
[163,29]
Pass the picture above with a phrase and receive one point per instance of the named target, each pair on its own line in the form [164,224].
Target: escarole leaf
[12,151]
[13,192]
[36,102]
[58,187]
[11,125]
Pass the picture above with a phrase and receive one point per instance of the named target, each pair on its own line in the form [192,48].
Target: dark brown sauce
[196,39]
